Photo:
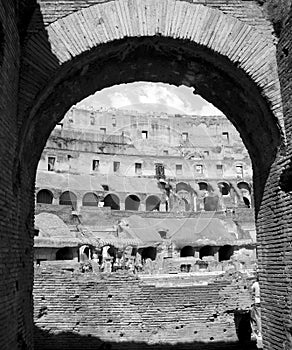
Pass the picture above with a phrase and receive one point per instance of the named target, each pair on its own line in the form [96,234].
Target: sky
[151,97]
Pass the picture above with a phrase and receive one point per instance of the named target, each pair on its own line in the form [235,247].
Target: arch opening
[225,252]
[68,198]
[152,203]
[45,197]
[224,188]
[90,200]
[112,201]
[132,202]
[187,251]
[74,80]
[207,251]
[148,253]
[65,253]
[204,186]
[245,190]
[182,186]
[244,186]
[246,201]
[183,63]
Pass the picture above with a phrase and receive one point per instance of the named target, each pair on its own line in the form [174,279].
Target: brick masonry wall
[282,325]
[80,311]
[15,239]
[247,11]
[274,220]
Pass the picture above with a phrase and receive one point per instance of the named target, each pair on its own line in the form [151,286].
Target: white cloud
[147,97]
[119,99]
[209,110]
[163,95]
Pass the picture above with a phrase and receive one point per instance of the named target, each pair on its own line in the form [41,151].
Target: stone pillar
[79,203]
[55,200]
[142,207]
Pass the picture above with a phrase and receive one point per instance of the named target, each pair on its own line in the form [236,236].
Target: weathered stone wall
[276,11]
[204,145]
[80,311]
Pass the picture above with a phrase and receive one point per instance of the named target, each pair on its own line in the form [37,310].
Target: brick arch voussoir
[81,31]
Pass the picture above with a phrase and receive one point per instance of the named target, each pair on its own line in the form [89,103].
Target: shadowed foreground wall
[80,311]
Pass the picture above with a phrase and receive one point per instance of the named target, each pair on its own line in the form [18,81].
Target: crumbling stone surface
[277,11]
[119,308]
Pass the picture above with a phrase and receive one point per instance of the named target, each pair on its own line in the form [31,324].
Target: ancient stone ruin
[237,55]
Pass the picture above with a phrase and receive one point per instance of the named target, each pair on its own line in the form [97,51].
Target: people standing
[255,313]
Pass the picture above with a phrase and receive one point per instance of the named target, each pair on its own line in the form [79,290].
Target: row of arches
[90,199]
[243,189]
[224,253]
[223,186]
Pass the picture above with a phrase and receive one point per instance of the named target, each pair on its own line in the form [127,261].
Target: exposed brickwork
[277,11]
[259,129]
[122,309]
[187,63]
[58,44]
[281,327]
[247,11]
[16,243]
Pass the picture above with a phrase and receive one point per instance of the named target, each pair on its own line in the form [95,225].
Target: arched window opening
[207,251]
[152,203]
[68,198]
[132,202]
[203,186]
[90,200]
[244,186]
[182,186]
[85,253]
[65,253]
[45,197]
[224,188]
[187,251]
[112,201]
[226,252]
[246,193]
[246,201]
[149,253]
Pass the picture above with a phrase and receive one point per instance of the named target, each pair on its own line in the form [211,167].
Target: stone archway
[90,199]
[152,203]
[132,202]
[195,46]
[113,201]
[196,57]
[68,198]
[44,196]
